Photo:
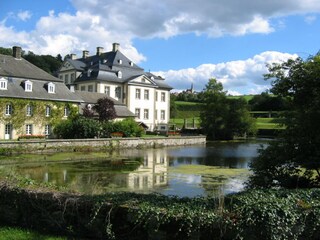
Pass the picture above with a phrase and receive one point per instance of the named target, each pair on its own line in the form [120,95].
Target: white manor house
[113,74]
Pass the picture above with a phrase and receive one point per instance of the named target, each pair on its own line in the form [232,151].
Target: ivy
[38,115]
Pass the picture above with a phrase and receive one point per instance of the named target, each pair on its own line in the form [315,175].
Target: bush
[78,127]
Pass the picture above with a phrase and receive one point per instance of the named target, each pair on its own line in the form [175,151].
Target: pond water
[204,170]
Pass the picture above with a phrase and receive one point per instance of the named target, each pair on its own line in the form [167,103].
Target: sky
[186,42]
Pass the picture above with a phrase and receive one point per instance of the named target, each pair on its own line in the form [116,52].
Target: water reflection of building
[152,173]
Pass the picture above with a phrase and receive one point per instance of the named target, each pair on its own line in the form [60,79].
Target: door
[8,131]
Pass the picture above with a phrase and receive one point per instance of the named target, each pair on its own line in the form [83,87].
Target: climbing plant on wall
[37,115]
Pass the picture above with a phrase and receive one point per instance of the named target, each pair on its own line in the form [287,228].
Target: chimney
[115,47]
[85,54]
[16,52]
[99,51]
[73,56]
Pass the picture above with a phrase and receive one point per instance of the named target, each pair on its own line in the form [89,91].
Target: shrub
[78,127]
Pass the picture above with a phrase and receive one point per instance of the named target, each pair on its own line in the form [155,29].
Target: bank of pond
[182,192]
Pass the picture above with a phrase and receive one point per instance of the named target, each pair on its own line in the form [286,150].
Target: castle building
[116,76]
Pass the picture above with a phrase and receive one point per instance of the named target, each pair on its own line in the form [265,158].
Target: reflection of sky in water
[182,186]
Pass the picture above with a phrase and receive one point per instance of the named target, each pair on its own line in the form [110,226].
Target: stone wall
[58,145]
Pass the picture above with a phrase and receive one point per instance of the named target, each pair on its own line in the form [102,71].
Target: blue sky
[184,41]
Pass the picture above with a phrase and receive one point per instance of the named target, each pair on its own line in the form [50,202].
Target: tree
[105,109]
[293,160]
[267,102]
[223,118]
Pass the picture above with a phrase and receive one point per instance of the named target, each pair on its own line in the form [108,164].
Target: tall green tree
[294,160]
[223,118]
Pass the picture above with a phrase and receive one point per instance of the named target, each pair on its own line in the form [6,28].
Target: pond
[201,170]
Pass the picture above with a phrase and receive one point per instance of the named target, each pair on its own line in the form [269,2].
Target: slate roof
[92,98]
[21,68]
[105,67]
[17,71]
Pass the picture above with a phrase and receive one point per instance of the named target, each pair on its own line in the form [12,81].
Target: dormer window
[119,74]
[3,84]
[51,87]
[120,61]
[28,86]
[131,63]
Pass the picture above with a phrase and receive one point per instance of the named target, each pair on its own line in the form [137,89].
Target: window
[28,129]
[83,88]
[120,61]
[107,90]
[131,63]
[118,92]
[137,112]
[146,114]
[146,94]
[163,115]
[29,110]
[61,77]
[66,78]
[3,84]
[155,114]
[72,77]
[47,130]
[48,111]
[90,88]
[119,74]
[138,93]
[66,111]
[163,97]
[8,109]
[28,86]
[156,96]
[51,87]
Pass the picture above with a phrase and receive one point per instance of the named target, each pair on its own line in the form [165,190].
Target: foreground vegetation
[254,214]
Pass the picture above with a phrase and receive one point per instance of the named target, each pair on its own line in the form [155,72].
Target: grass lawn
[269,123]
[10,233]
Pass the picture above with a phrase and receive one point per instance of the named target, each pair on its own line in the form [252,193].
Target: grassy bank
[13,233]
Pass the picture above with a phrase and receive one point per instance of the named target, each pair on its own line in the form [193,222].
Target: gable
[142,80]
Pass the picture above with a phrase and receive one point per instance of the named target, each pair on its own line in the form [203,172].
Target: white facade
[113,74]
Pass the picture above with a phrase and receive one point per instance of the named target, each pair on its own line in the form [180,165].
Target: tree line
[47,63]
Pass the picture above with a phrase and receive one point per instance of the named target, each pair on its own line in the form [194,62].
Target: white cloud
[237,77]
[310,19]
[166,18]
[24,15]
